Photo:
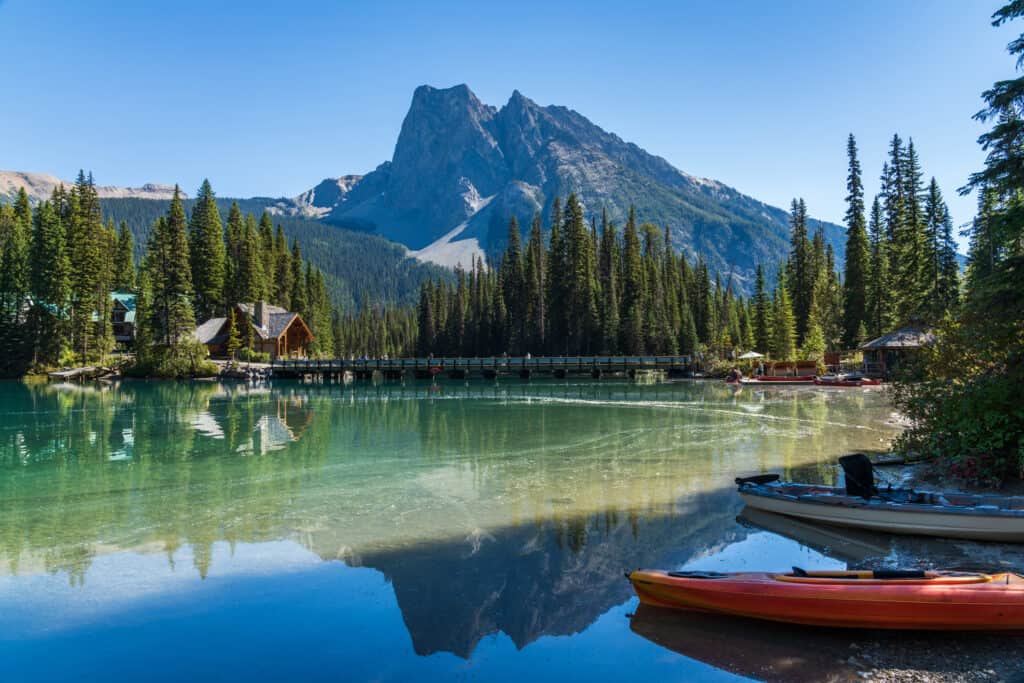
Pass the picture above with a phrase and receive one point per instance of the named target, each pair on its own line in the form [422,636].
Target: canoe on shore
[889,599]
[897,511]
[846,381]
[778,381]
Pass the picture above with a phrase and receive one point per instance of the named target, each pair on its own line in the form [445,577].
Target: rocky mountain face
[462,168]
[40,186]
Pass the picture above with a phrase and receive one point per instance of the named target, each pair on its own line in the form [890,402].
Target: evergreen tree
[580,299]
[207,254]
[284,275]
[858,257]
[555,270]
[909,267]
[170,317]
[801,268]
[49,285]
[234,342]
[15,232]
[783,321]
[536,310]
[763,329]
[85,235]
[297,297]
[633,314]
[513,283]
[609,278]
[880,310]
[124,260]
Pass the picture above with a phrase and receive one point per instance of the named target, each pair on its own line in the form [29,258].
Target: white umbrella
[751,354]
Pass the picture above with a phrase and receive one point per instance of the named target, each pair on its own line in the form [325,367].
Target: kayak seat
[860,475]
[698,575]
[877,574]
[757,479]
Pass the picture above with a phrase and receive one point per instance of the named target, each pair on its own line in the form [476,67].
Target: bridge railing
[491,362]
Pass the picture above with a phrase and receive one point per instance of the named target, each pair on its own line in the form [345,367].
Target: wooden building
[273,330]
[885,355]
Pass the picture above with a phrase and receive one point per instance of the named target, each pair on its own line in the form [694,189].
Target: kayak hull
[817,505]
[996,603]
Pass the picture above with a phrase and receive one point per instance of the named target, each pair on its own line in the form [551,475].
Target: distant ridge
[40,186]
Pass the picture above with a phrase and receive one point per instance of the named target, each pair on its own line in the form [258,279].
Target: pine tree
[555,281]
[49,285]
[234,342]
[581,303]
[909,265]
[763,329]
[269,243]
[124,260]
[783,321]
[207,254]
[536,310]
[513,283]
[633,314]
[297,297]
[801,268]
[610,288]
[15,233]
[880,310]
[85,235]
[855,280]
[284,275]
[169,276]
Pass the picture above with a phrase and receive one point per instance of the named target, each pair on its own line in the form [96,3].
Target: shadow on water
[547,578]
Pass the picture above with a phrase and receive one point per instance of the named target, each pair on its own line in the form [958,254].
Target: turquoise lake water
[461,530]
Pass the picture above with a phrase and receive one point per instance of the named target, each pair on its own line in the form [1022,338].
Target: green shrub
[250,356]
[966,406]
[184,360]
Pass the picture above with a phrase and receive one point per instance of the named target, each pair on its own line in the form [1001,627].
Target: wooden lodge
[280,333]
[884,355]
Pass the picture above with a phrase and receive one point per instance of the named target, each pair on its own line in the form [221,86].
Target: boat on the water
[889,599]
[778,381]
[846,380]
[860,504]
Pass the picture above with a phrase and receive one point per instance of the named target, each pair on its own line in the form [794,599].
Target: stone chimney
[262,315]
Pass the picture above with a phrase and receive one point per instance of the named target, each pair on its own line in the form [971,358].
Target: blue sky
[267,98]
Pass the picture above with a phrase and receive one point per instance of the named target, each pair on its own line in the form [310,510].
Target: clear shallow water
[461,530]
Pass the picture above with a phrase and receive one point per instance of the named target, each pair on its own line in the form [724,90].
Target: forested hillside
[357,267]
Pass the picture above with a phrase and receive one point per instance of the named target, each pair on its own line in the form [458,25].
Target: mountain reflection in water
[491,510]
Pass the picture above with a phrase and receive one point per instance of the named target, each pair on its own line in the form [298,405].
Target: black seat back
[860,475]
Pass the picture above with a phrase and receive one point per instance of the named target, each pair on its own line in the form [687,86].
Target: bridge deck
[491,364]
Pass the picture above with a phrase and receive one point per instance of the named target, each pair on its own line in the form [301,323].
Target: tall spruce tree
[763,329]
[608,273]
[536,309]
[169,276]
[880,309]
[801,268]
[124,260]
[49,286]
[783,321]
[858,257]
[633,296]
[513,283]
[581,301]
[207,254]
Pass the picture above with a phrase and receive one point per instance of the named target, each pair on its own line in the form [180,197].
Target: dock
[559,367]
[85,373]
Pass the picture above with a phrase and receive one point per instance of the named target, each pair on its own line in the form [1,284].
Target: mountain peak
[462,168]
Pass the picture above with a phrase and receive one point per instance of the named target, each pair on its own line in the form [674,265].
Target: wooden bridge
[489,368]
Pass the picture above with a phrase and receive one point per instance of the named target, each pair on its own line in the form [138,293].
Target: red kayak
[794,378]
[892,599]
